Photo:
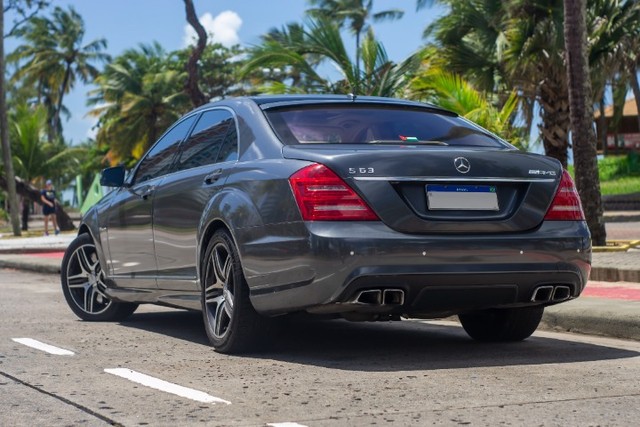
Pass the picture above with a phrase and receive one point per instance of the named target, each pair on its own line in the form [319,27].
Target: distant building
[627,135]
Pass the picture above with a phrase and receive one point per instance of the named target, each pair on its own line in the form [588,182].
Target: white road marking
[30,342]
[287,424]
[165,386]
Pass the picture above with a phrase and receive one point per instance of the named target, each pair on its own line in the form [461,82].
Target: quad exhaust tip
[380,297]
[549,293]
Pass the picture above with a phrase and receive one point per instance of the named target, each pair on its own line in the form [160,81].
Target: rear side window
[159,159]
[211,133]
[362,124]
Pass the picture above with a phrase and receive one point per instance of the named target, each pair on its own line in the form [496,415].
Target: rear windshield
[358,124]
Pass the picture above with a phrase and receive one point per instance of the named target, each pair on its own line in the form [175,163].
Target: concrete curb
[30,266]
[613,274]
[594,316]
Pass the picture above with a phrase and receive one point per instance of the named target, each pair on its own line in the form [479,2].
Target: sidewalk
[609,306]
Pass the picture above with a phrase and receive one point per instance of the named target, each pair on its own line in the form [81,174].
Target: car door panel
[182,198]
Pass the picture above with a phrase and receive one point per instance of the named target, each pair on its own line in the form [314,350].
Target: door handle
[213,176]
[147,192]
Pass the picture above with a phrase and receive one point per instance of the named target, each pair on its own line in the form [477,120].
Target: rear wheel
[513,324]
[231,322]
[84,287]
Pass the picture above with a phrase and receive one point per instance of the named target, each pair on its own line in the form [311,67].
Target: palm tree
[452,92]
[138,96]
[583,137]
[471,41]
[520,44]
[56,57]
[219,69]
[617,42]
[321,41]
[355,12]
[34,158]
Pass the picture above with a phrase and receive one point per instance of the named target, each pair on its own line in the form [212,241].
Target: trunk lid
[443,189]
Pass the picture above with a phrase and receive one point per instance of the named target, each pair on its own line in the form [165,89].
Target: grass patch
[622,185]
[618,174]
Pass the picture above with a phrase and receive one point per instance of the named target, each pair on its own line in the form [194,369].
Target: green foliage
[618,174]
[53,57]
[139,95]
[621,185]
[452,92]
[34,157]
[142,92]
[612,167]
[300,50]
[219,70]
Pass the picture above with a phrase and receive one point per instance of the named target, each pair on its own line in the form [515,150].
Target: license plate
[462,197]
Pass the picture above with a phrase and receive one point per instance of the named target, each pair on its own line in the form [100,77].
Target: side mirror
[113,177]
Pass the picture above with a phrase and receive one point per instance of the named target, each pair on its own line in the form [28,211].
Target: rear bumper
[324,266]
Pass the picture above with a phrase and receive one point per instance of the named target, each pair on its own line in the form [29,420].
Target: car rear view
[409,210]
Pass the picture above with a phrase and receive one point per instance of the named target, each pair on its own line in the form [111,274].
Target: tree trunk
[192,88]
[4,137]
[57,125]
[25,214]
[583,136]
[554,127]
[635,87]
[30,192]
[356,89]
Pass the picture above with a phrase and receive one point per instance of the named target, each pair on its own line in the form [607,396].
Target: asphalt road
[316,374]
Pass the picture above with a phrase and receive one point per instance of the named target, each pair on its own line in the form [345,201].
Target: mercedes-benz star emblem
[462,164]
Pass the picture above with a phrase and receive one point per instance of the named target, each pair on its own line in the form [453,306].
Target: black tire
[84,287]
[231,322]
[502,325]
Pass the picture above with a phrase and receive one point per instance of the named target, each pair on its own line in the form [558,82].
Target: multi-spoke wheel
[231,322]
[83,284]
[508,324]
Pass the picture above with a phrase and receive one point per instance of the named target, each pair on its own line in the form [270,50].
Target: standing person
[48,198]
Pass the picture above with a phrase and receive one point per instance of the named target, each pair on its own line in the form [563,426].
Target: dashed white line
[287,424]
[165,386]
[30,342]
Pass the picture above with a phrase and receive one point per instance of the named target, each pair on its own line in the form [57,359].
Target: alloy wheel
[218,294]
[85,280]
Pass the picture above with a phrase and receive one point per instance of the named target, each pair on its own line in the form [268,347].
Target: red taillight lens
[566,204]
[323,196]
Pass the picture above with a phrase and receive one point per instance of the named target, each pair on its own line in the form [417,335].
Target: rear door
[200,171]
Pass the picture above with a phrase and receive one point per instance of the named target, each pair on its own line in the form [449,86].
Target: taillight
[566,204]
[323,196]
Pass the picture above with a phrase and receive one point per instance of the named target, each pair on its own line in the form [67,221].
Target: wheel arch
[230,210]
[86,227]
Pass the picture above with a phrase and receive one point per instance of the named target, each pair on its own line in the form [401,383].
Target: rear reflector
[323,196]
[566,204]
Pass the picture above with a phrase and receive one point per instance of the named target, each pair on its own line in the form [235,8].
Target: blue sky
[127,23]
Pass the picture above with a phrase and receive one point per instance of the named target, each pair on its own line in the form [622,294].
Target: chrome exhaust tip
[561,293]
[542,294]
[393,297]
[369,297]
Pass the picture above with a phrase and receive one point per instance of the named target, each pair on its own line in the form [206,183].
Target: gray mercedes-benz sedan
[367,208]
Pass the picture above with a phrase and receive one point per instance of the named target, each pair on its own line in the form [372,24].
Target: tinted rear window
[357,124]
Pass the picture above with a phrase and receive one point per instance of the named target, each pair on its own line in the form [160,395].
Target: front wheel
[512,324]
[231,322]
[84,287]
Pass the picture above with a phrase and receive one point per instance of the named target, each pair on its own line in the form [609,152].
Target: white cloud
[222,29]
